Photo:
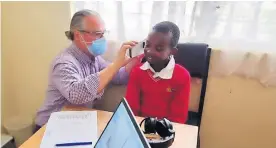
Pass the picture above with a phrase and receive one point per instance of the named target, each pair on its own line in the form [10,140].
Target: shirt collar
[80,55]
[165,73]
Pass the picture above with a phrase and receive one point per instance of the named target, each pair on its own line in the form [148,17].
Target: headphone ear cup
[149,125]
[164,128]
[169,125]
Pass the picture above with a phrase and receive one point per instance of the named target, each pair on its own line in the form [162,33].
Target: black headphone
[163,128]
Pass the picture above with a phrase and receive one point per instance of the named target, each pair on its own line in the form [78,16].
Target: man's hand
[106,75]
[134,62]
[122,59]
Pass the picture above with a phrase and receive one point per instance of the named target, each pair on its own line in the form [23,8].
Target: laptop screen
[122,131]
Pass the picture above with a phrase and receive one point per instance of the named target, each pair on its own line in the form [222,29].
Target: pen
[74,144]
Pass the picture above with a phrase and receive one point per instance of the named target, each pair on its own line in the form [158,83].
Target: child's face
[157,47]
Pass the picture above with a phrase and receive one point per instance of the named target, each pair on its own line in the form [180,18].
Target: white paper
[70,127]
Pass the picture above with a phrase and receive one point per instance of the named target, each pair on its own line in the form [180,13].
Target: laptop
[122,130]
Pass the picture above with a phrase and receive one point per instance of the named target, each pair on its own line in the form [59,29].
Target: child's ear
[174,51]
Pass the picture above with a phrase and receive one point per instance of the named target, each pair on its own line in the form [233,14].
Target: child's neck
[159,67]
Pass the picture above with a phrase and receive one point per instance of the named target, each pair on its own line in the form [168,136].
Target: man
[78,75]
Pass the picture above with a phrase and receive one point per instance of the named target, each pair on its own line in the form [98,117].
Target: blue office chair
[195,57]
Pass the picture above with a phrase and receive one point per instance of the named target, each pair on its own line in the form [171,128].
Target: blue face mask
[98,47]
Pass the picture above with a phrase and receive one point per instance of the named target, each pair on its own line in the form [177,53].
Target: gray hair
[78,23]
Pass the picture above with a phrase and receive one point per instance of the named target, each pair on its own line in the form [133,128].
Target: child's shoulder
[181,72]
[137,68]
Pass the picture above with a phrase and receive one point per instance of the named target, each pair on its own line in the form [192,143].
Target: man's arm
[133,92]
[109,72]
[121,77]
[180,103]
[75,89]
[79,90]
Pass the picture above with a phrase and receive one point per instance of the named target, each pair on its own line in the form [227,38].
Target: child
[159,87]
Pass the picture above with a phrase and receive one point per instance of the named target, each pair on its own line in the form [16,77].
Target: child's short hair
[166,27]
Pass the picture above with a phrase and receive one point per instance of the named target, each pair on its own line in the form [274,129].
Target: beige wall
[1,64]
[238,112]
[32,33]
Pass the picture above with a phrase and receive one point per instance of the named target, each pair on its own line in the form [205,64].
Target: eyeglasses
[95,33]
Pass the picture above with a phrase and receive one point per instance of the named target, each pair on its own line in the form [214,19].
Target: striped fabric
[74,80]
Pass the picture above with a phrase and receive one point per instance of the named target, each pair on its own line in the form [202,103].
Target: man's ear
[76,35]
[174,51]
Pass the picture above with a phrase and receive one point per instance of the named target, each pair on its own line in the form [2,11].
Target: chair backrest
[195,57]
